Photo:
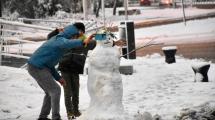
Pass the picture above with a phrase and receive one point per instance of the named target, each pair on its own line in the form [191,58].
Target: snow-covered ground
[149,13]
[194,31]
[155,86]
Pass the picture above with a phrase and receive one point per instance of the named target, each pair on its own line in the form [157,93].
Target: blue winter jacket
[50,52]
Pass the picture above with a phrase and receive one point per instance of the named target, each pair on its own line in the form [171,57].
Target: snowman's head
[105,39]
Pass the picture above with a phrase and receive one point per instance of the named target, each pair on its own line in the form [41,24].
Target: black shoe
[77,113]
[71,117]
[43,119]
[58,119]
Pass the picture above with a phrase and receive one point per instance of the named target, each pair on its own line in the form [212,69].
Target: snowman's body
[104,83]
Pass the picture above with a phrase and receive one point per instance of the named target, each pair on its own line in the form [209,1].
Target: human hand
[60,29]
[88,39]
[62,82]
[82,37]
[120,43]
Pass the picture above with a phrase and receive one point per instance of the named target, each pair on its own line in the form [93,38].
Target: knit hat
[80,26]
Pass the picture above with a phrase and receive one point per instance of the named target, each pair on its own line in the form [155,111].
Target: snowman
[104,81]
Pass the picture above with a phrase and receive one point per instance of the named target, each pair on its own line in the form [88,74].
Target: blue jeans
[52,91]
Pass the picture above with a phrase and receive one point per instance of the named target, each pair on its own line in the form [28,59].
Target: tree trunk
[98,7]
[1,8]
[94,6]
[75,6]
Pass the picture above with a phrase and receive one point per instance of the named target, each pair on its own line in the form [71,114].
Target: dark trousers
[71,91]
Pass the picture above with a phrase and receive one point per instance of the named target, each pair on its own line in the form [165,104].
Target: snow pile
[203,112]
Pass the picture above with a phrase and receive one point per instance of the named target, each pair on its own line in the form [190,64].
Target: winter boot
[77,113]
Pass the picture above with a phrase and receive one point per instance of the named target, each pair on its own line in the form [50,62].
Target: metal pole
[191,3]
[126,29]
[126,36]
[126,9]
[184,17]
[1,8]
[174,3]
[1,40]
[1,43]
[103,11]
[85,9]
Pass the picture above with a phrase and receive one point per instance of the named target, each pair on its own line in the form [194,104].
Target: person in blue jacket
[41,66]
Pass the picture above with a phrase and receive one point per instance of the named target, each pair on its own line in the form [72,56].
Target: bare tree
[114,7]
[96,7]
[1,8]
[74,6]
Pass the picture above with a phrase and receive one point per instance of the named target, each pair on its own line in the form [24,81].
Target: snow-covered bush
[39,8]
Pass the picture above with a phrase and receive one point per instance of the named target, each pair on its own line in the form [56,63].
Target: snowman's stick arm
[146,45]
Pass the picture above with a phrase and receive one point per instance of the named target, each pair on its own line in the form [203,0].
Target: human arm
[68,44]
[56,76]
[88,39]
[53,33]
[91,45]
[55,73]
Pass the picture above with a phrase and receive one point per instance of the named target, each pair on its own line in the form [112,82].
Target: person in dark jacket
[71,65]
[41,66]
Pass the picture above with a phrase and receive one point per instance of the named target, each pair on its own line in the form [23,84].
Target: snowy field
[155,87]
[166,33]
[149,13]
